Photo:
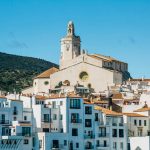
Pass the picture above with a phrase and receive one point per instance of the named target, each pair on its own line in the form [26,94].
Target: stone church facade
[76,67]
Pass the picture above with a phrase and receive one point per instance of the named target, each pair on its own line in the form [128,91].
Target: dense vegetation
[17,72]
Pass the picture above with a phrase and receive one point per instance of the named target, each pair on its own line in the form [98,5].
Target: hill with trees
[17,72]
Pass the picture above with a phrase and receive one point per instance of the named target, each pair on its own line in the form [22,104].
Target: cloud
[132,40]
[14,42]
[17,44]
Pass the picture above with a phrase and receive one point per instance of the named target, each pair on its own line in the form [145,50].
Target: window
[26,131]
[26,141]
[88,110]
[45,129]
[61,103]
[25,117]
[121,133]
[105,143]
[40,143]
[77,145]
[88,123]
[74,132]
[15,118]
[114,132]
[140,123]
[97,143]
[46,82]
[54,117]
[61,117]
[75,103]
[121,145]
[83,76]
[46,117]
[53,104]
[74,118]
[135,123]
[96,116]
[65,142]
[114,145]
[144,122]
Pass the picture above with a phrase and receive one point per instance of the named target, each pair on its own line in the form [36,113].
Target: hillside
[17,72]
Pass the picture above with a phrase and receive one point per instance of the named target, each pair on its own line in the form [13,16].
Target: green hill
[17,72]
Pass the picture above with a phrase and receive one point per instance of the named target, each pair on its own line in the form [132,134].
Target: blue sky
[118,28]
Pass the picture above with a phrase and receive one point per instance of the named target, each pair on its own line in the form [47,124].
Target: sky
[117,28]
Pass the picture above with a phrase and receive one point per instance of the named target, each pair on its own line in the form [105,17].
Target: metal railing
[103,135]
[4,122]
[92,136]
[76,120]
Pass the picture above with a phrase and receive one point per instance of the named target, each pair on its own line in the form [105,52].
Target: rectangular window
[61,103]
[121,145]
[54,117]
[140,123]
[46,117]
[121,133]
[105,143]
[88,123]
[135,123]
[53,104]
[61,117]
[144,122]
[75,103]
[114,132]
[77,145]
[74,132]
[88,110]
[65,142]
[96,116]
[26,131]
[25,117]
[114,145]
[75,118]
[26,141]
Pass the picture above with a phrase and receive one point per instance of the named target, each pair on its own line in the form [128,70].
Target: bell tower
[70,46]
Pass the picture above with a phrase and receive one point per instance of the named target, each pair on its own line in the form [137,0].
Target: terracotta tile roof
[40,97]
[107,111]
[142,109]
[1,96]
[134,115]
[117,96]
[139,80]
[100,102]
[47,73]
[106,58]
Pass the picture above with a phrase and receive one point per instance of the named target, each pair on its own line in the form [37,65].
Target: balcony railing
[114,124]
[103,135]
[46,121]
[4,121]
[102,145]
[92,136]
[24,134]
[89,147]
[76,120]
[120,124]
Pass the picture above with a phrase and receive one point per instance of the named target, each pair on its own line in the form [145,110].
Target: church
[79,70]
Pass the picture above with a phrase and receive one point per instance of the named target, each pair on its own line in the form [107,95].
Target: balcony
[4,121]
[15,112]
[57,147]
[120,124]
[46,121]
[114,124]
[103,135]
[92,136]
[89,147]
[76,120]
[23,134]
[102,146]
